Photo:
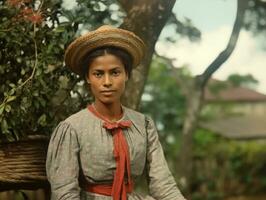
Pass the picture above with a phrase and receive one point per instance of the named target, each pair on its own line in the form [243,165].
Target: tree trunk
[185,165]
[146,19]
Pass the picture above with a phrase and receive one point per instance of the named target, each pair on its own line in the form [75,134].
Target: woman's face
[107,77]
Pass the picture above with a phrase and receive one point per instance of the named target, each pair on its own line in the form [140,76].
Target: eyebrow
[112,69]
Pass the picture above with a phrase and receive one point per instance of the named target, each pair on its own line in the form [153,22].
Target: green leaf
[36,104]
[35,93]
[60,29]
[12,85]
[11,98]
[7,108]
[12,91]
[4,126]
[42,120]
[2,108]
[42,101]
[22,71]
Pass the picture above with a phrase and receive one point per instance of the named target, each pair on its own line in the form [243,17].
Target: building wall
[251,108]
[235,108]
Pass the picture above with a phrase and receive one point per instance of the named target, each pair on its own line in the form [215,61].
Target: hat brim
[107,36]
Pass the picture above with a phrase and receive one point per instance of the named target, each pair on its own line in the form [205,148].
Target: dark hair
[125,57]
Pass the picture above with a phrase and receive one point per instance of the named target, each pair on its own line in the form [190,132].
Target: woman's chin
[108,101]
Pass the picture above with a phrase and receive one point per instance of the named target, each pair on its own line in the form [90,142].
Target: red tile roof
[231,93]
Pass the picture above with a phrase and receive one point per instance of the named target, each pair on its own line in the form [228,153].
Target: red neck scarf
[121,154]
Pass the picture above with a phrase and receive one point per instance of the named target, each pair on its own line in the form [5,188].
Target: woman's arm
[162,185]
[62,163]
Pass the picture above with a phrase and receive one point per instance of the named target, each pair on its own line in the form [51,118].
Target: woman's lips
[108,92]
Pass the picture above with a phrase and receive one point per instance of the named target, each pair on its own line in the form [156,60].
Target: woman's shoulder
[133,113]
[77,116]
[79,120]
[138,118]
[138,115]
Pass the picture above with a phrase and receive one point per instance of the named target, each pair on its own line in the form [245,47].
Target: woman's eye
[115,73]
[97,74]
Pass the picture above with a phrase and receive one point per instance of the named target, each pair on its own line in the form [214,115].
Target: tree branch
[7,98]
[176,73]
[225,54]
[184,28]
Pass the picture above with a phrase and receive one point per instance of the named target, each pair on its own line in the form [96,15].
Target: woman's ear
[127,76]
[88,80]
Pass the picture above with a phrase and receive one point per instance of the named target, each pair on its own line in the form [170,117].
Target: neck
[111,111]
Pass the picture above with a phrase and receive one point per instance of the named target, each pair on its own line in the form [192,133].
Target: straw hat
[104,36]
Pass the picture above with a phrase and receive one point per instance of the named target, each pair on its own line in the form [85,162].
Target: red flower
[29,15]
[36,18]
[26,11]
[15,3]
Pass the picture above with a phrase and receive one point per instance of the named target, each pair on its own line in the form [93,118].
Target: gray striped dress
[81,144]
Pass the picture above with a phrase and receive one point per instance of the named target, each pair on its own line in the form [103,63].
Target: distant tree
[193,90]
[165,103]
[242,80]
[255,19]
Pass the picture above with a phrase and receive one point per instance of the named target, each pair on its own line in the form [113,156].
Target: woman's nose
[107,81]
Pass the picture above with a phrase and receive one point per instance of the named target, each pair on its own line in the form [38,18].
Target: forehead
[105,62]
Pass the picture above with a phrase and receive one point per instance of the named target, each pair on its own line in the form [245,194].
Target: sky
[215,18]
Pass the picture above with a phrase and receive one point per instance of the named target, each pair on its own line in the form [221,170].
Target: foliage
[36,90]
[184,28]
[225,167]
[164,102]
[256,15]
[242,80]
[215,87]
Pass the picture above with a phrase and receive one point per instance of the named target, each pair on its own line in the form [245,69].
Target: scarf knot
[116,125]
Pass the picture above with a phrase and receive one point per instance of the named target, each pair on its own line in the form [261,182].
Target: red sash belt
[104,189]
[119,189]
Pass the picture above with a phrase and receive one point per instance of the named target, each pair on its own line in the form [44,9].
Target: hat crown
[105,35]
[105,27]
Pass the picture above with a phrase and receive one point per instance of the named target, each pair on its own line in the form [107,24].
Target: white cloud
[246,58]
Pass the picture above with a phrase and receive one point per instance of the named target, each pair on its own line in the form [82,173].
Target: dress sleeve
[162,185]
[62,163]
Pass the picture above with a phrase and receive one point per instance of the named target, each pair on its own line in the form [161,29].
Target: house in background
[234,112]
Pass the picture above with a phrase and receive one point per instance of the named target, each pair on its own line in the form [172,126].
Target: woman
[99,152]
